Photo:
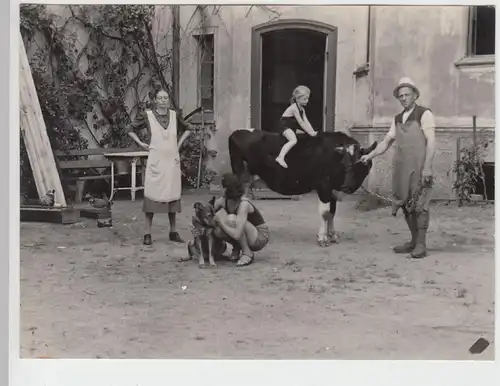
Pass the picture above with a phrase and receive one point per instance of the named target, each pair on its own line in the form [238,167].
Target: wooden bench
[100,168]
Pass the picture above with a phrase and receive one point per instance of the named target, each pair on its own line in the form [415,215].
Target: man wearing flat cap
[413,131]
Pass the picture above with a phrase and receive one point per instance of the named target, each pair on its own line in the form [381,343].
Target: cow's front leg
[332,235]
[324,215]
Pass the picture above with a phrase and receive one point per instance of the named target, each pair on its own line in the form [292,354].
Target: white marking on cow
[325,217]
[246,128]
[338,194]
[332,235]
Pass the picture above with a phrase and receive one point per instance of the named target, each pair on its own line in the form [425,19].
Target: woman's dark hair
[233,186]
[156,88]
[160,89]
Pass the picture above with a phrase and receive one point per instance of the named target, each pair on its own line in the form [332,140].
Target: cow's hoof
[324,243]
[201,265]
[334,239]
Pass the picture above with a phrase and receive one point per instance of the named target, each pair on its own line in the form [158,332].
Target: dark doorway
[292,57]
[489,181]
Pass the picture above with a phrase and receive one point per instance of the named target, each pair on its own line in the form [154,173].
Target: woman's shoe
[147,239]
[174,236]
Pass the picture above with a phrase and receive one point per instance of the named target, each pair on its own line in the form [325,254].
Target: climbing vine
[469,169]
[95,67]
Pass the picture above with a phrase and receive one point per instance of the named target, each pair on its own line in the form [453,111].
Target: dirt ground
[89,292]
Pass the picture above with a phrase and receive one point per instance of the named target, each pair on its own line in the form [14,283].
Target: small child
[294,118]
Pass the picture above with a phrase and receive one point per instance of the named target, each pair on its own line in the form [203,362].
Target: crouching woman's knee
[229,220]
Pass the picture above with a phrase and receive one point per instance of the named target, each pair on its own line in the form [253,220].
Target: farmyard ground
[89,292]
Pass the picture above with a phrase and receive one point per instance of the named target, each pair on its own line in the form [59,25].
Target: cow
[326,164]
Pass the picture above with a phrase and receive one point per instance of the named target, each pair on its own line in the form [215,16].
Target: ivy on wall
[97,64]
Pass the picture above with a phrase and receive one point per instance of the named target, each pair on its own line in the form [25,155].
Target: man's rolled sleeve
[427,122]
[391,134]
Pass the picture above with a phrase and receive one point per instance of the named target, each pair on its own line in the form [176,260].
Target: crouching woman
[241,223]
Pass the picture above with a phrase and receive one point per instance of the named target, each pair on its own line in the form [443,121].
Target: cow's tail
[238,164]
[236,157]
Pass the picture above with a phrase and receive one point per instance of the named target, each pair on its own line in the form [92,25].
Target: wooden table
[131,157]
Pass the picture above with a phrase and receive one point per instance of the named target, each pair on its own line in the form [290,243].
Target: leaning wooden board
[34,133]
[35,213]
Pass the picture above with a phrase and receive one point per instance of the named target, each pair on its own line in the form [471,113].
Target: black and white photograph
[256,181]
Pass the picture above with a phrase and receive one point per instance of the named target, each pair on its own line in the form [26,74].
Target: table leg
[134,176]
[112,180]
[143,175]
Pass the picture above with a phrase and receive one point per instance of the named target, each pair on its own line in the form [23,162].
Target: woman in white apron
[162,186]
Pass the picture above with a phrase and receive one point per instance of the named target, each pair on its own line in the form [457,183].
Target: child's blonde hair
[298,92]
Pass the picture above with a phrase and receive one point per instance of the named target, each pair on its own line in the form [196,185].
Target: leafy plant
[190,157]
[469,170]
[93,70]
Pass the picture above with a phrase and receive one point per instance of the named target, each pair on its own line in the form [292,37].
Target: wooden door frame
[330,33]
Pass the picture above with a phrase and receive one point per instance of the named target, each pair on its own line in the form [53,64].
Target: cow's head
[355,170]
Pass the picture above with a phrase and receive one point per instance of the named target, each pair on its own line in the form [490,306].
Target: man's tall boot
[411,220]
[422,227]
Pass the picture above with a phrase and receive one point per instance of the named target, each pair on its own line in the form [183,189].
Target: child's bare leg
[292,141]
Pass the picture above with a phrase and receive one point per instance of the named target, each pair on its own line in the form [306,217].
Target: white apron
[163,168]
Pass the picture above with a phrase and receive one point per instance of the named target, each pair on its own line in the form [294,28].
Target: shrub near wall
[94,68]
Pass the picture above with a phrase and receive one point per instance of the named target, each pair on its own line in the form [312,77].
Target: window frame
[470,59]
[200,62]
[471,34]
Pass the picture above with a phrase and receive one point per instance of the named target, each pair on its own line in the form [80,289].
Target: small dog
[202,230]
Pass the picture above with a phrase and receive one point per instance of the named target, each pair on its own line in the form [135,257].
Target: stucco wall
[424,43]
[221,25]
[162,36]
[232,29]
